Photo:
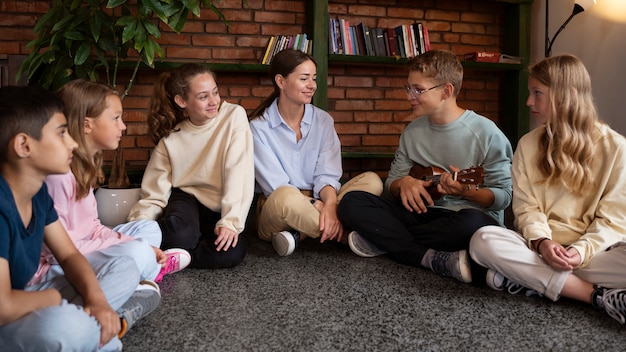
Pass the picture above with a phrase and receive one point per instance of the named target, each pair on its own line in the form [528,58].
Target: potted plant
[85,39]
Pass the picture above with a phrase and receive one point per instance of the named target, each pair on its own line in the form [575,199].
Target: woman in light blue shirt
[297,160]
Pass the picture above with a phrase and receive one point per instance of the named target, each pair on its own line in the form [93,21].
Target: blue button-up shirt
[311,163]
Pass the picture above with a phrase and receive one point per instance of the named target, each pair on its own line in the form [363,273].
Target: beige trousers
[506,252]
[289,208]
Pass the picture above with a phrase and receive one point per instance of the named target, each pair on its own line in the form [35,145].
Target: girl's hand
[226,238]
[161,258]
[557,257]
[330,226]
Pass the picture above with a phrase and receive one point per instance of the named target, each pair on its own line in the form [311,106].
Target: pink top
[80,219]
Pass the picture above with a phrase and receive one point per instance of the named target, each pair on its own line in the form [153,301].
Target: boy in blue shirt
[75,311]
[429,216]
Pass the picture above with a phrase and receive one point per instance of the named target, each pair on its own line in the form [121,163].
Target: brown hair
[441,65]
[284,63]
[84,99]
[164,114]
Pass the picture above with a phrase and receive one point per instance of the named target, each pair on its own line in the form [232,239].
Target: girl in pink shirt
[94,115]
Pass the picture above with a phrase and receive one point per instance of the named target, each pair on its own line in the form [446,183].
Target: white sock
[428,258]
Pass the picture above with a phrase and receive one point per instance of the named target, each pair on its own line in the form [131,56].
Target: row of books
[405,41]
[278,43]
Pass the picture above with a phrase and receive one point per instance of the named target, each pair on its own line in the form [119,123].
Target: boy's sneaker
[452,264]
[177,260]
[498,282]
[362,247]
[144,301]
[285,242]
[614,301]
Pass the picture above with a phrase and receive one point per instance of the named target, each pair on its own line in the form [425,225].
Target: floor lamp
[579,6]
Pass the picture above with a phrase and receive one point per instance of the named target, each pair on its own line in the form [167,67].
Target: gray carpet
[324,298]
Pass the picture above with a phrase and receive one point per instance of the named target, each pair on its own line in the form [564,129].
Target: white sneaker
[285,242]
[362,247]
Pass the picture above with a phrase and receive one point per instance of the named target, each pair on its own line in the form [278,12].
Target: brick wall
[367,101]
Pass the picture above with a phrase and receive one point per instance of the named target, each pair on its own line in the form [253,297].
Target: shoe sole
[465,268]
[356,250]
[283,245]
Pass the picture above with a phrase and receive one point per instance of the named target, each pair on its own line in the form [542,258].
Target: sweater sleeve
[608,226]
[530,218]
[156,186]
[238,172]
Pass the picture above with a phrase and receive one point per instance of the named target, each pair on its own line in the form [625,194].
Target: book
[360,34]
[509,59]
[481,56]
[344,26]
[368,41]
[393,42]
[332,40]
[400,40]
[386,39]
[338,38]
[420,32]
[415,36]
[426,38]
[269,48]
[380,42]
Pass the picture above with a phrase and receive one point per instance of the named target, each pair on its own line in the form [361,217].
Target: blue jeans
[67,327]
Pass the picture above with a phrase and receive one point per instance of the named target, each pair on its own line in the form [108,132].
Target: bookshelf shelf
[392,60]
[221,67]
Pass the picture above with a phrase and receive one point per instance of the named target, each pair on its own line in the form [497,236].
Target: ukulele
[470,176]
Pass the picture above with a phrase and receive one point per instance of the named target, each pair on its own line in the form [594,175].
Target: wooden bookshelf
[515,121]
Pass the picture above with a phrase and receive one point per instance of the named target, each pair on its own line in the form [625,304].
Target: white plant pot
[114,204]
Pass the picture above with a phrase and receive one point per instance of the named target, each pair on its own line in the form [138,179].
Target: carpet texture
[325,298]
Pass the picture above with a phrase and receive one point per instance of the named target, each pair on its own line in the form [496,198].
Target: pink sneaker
[177,260]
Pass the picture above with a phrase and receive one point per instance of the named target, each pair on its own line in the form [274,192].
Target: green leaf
[140,37]
[177,22]
[46,20]
[63,22]
[115,3]
[193,6]
[125,21]
[129,31]
[152,29]
[157,8]
[75,4]
[82,53]
[74,35]
[95,25]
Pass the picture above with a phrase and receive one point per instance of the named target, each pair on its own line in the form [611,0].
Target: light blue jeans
[147,234]
[67,327]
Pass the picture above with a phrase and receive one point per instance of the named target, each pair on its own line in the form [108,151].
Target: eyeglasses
[415,92]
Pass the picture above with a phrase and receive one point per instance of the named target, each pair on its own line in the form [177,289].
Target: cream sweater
[214,162]
[589,223]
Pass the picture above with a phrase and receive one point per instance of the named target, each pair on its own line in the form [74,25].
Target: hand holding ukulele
[472,177]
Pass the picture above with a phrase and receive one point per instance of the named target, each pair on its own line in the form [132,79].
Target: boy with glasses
[450,176]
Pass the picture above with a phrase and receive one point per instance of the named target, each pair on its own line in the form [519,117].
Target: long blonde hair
[567,145]
[84,99]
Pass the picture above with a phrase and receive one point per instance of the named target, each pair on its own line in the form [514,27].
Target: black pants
[188,224]
[406,236]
